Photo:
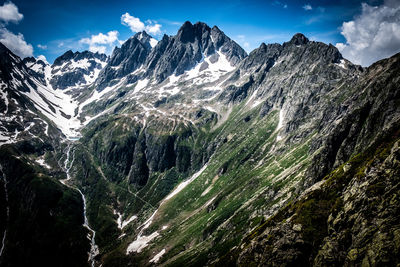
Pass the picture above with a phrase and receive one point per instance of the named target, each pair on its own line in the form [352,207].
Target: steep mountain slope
[193,153]
[41,218]
[350,217]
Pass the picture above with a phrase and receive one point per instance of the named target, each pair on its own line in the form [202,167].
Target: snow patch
[153,42]
[140,85]
[182,185]
[342,64]
[43,163]
[123,223]
[140,243]
[157,257]
[280,124]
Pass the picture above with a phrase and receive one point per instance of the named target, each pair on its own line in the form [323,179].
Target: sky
[364,31]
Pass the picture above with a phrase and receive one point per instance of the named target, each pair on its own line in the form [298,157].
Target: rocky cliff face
[193,153]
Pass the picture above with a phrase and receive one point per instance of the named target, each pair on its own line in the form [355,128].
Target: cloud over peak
[373,35]
[100,42]
[136,25]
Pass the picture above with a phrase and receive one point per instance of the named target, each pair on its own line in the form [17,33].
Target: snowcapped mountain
[27,93]
[188,151]
[72,70]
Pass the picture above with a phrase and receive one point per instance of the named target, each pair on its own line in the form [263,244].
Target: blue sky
[52,27]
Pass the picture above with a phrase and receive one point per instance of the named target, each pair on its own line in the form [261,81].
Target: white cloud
[9,13]
[307,7]
[136,25]
[154,29]
[100,42]
[98,48]
[16,43]
[101,38]
[373,35]
[43,47]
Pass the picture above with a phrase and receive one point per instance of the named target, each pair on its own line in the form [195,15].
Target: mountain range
[188,151]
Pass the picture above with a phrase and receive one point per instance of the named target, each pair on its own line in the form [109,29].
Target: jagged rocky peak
[261,55]
[69,55]
[188,33]
[76,69]
[322,51]
[299,39]
[132,53]
[298,52]
[227,46]
[192,44]
[146,39]
[210,40]
[126,59]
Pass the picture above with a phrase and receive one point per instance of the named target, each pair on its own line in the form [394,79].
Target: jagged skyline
[83,26]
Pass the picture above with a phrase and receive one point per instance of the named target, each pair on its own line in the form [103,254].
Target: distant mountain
[76,69]
[188,152]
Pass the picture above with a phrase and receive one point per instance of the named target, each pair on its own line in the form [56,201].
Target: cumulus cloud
[100,42]
[307,7]
[154,29]
[136,25]
[373,35]
[16,43]
[9,13]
